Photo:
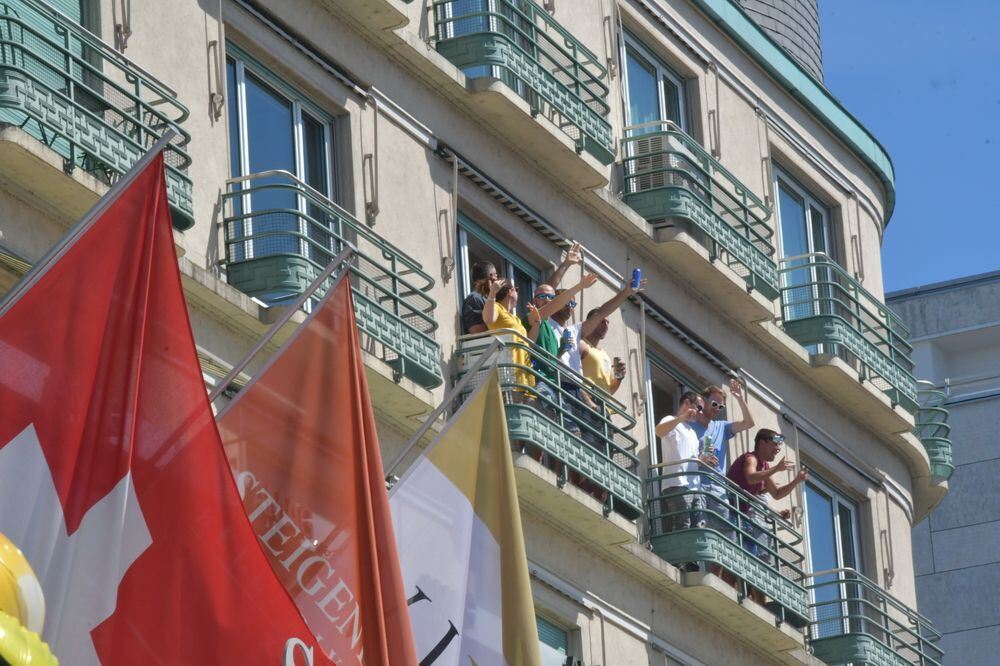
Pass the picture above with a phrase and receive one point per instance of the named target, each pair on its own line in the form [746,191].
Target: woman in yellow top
[498,313]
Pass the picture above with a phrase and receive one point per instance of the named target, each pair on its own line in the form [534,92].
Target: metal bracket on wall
[369,169]
[121,13]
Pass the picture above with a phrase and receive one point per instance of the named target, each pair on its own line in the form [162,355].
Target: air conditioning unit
[662,160]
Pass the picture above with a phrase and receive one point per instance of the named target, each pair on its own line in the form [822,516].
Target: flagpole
[495,346]
[36,272]
[345,257]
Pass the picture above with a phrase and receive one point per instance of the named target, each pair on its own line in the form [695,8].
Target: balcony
[832,315]
[933,430]
[680,189]
[86,102]
[280,233]
[548,418]
[741,535]
[854,621]
[520,44]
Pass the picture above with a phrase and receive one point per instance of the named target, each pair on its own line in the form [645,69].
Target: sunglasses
[545,297]
[571,304]
[717,405]
[777,439]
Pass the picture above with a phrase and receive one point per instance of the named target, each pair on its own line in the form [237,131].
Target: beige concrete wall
[415,200]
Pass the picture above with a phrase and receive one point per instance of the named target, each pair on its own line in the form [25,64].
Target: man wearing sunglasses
[712,423]
[681,481]
[754,473]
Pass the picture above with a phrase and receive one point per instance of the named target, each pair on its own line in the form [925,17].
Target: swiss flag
[113,480]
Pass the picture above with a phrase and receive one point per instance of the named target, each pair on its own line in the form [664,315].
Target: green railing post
[276,261]
[670,180]
[845,317]
[523,46]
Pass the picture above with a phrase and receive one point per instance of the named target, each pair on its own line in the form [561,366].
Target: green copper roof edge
[734,22]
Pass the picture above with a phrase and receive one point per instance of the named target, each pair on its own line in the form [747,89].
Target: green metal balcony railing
[827,311]
[279,233]
[89,103]
[933,430]
[548,412]
[698,516]
[854,621]
[672,181]
[519,43]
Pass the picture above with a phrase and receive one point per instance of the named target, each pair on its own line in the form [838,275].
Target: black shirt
[472,311]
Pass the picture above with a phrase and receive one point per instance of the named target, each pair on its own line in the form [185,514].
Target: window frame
[683,382]
[839,501]
[301,106]
[810,203]
[512,260]
[663,72]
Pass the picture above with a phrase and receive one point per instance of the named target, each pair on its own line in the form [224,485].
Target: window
[476,244]
[653,91]
[803,230]
[275,129]
[664,386]
[554,642]
[803,221]
[832,527]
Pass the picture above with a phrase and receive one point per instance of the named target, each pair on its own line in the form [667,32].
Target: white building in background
[956,347]
[671,135]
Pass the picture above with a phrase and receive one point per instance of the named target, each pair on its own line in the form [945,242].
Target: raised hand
[574,255]
[588,280]
[495,287]
[534,317]
[641,287]
[736,388]
[802,475]
[784,465]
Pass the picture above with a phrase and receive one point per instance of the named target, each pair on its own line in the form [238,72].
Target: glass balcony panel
[933,430]
[696,515]
[551,415]
[519,43]
[671,181]
[827,311]
[280,233]
[90,104]
[854,621]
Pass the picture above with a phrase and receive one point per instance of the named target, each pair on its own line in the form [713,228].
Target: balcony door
[832,527]
[653,91]
[803,231]
[476,244]
[277,143]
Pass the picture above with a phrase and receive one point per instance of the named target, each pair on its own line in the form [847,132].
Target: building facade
[956,348]
[669,135]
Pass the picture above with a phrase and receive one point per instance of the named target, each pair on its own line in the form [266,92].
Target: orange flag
[302,443]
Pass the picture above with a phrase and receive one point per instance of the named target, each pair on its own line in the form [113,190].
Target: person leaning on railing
[753,472]
[682,482]
[545,303]
[498,314]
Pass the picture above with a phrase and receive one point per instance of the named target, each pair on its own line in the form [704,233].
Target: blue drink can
[567,341]
[636,278]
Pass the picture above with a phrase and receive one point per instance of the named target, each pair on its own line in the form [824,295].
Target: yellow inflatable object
[20,592]
[22,611]
[21,647]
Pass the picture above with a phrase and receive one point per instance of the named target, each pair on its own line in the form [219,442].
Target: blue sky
[924,77]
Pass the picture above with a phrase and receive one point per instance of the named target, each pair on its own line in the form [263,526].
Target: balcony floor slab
[717,281]
[754,623]
[539,492]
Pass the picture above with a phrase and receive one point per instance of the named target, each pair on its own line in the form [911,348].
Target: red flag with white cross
[113,481]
